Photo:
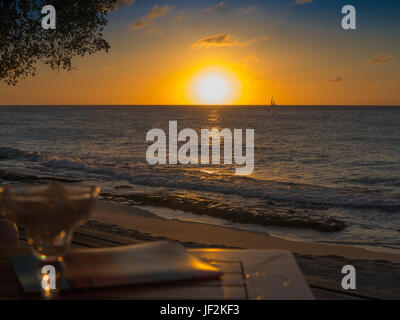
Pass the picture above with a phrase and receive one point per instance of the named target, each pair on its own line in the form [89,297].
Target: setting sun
[213,89]
[214,86]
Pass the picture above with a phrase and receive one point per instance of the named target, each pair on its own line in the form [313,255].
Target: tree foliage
[23,42]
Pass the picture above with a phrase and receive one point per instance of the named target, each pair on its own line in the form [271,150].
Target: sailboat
[273,103]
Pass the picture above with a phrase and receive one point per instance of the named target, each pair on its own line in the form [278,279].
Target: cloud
[252,58]
[148,20]
[337,79]
[250,9]
[303,1]
[178,18]
[219,40]
[220,7]
[382,58]
[122,3]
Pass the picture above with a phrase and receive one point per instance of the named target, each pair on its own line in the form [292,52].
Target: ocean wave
[378,181]
[15,153]
[8,175]
[51,161]
[267,190]
[201,206]
[56,162]
[395,246]
[198,180]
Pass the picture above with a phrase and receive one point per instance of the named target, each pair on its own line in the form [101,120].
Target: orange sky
[159,53]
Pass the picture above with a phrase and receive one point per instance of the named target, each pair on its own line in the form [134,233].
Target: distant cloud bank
[303,1]
[382,58]
[219,40]
[148,20]
[220,7]
[122,3]
[337,79]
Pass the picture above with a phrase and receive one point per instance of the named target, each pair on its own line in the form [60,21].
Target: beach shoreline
[183,216]
[144,221]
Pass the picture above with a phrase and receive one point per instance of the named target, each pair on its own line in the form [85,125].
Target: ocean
[323,174]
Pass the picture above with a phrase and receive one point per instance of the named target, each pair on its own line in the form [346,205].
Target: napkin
[155,262]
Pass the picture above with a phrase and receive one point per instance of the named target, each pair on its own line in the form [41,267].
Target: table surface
[88,238]
[247,274]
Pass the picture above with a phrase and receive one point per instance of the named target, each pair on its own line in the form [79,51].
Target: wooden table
[248,274]
[88,238]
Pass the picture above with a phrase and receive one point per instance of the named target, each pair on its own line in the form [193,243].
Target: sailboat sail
[273,103]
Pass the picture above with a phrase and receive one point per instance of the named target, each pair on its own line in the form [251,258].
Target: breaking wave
[198,180]
[260,216]
[275,198]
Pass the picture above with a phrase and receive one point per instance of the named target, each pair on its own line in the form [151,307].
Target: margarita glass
[48,214]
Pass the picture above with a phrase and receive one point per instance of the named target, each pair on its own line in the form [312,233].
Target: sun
[213,86]
[213,89]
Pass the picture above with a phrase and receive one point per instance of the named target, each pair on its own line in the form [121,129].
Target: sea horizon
[196,105]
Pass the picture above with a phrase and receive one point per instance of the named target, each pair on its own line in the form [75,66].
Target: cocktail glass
[48,214]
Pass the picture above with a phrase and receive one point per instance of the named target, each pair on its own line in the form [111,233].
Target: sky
[177,52]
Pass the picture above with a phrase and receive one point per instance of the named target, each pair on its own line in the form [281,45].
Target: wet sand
[146,222]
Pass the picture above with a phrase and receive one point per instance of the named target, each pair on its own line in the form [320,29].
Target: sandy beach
[146,222]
